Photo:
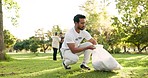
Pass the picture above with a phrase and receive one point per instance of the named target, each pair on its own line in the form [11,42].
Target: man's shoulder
[69,31]
[84,32]
[68,34]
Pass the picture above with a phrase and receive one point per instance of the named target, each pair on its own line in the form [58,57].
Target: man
[55,45]
[61,42]
[71,47]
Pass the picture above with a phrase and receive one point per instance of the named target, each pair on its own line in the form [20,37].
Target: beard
[81,28]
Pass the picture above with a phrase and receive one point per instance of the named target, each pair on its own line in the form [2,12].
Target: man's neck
[77,30]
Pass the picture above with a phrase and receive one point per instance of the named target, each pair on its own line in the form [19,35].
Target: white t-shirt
[73,37]
[55,41]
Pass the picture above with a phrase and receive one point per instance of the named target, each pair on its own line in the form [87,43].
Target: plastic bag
[102,60]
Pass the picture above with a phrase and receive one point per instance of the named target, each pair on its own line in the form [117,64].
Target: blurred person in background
[55,45]
[62,39]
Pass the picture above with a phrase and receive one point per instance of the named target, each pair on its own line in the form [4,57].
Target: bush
[116,50]
[8,58]
[34,47]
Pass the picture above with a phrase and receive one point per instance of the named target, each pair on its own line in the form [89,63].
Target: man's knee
[75,59]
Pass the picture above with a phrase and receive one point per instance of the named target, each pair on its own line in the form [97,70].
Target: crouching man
[71,47]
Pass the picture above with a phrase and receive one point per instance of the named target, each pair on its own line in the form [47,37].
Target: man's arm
[78,49]
[93,41]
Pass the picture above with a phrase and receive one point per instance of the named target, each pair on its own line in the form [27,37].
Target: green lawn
[28,65]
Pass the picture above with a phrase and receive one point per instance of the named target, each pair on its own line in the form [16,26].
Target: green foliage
[8,57]
[32,44]
[92,16]
[140,38]
[133,23]
[9,39]
[12,7]
[130,27]
[34,47]
[43,39]
[26,45]
[99,24]
[18,46]
[116,50]
[56,28]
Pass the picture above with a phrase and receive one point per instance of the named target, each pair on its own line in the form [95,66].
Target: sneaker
[84,67]
[66,67]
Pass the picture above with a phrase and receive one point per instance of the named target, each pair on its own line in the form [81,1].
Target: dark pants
[55,53]
[60,50]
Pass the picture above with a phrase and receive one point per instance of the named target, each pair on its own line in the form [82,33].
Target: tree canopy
[133,22]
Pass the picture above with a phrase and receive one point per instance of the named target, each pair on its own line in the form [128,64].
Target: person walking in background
[71,47]
[55,45]
[62,39]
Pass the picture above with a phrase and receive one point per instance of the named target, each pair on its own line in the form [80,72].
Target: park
[27,30]
[30,65]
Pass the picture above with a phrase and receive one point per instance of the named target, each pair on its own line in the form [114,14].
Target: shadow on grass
[140,73]
[136,61]
[124,56]
[43,66]
[29,55]
[133,72]
[27,68]
[95,74]
[76,73]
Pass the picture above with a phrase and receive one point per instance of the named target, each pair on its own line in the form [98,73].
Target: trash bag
[102,60]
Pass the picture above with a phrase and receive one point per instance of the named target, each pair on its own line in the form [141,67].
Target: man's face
[81,24]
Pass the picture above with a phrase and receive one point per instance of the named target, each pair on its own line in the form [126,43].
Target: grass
[28,65]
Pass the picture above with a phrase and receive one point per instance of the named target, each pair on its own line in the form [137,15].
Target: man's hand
[91,47]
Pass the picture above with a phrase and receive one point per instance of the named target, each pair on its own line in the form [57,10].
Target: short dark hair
[61,33]
[77,17]
[56,33]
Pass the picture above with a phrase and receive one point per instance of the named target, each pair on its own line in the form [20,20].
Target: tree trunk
[2,55]
[45,48]
[134,49]
[139,49]
[144,47]
[124,47]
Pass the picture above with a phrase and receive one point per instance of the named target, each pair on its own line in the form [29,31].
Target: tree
[134,17]
[90,8]
[2,55]
[34,44]
[56,28]
[98,24]
[43,39]
[34,47]
[31,44]
[26,44]
[18,46]
[140,39]
[9,4]
[9,39]
[118,35]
